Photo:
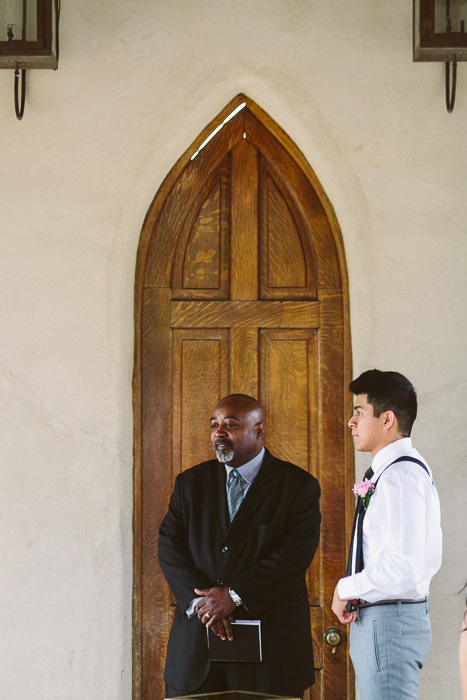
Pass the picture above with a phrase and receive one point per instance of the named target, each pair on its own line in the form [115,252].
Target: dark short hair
[388,391]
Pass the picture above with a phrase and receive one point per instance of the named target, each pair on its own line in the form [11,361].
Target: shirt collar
[249,470]
[388,454]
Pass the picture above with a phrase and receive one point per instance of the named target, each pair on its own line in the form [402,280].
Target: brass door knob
[332,636]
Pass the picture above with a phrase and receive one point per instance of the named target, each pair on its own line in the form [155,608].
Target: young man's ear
[390,420]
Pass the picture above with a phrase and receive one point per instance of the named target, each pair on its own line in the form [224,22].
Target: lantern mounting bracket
[451,89]
[19,110]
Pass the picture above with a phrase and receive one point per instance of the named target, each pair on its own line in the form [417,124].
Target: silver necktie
[234,492]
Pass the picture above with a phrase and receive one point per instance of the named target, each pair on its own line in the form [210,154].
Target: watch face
[236,598]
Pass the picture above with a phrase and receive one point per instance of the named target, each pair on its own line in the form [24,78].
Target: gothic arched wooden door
[240,287]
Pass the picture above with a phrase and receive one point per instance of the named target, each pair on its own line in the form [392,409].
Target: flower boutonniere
[363,491]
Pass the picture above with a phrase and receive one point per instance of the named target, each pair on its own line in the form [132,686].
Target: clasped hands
[215,610]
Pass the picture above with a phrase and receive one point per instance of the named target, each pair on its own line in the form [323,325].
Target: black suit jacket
[262,555]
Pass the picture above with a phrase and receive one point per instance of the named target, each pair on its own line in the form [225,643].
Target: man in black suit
[238,538]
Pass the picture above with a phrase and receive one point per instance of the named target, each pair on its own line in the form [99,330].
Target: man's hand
[215,610]
[223,628]
[338,608]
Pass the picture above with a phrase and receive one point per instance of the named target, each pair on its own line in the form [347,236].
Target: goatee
[224,456]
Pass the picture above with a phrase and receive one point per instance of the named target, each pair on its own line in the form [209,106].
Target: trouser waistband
[364,604]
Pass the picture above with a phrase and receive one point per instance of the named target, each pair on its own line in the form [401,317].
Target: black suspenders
[405,459]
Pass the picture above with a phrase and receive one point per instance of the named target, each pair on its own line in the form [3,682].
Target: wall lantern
[440,35]
[28,39]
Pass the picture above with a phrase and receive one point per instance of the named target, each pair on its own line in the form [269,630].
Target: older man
[236,542]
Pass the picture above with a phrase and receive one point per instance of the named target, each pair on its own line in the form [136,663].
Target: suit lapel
[256,494]
[217,494]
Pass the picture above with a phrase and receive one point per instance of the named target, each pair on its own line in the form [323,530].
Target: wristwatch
[236,598]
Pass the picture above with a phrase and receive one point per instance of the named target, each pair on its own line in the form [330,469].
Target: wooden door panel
[284,266]
[201,262]
[200,377]
[289,396]
[202,268]
[240,288]
[286,256]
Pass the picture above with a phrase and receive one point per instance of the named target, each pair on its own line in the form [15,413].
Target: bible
[246,644]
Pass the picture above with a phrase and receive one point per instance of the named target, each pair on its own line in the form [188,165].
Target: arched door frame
[166,252]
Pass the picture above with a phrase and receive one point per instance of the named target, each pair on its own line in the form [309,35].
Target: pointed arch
[241,285]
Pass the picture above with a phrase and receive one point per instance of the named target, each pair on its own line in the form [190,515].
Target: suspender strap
[405,459]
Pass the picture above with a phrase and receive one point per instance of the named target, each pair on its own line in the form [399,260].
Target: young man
[398,551]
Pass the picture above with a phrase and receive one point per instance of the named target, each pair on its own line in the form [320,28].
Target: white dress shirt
[402,539]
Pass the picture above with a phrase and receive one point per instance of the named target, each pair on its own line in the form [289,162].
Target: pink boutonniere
[363,491]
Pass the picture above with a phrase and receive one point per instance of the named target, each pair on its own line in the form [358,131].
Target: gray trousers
[389,645]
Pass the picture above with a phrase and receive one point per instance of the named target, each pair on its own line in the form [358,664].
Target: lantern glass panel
[440,31]
[450,16]
[18,21]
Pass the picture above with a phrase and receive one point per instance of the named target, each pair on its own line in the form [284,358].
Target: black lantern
[440,35]
[28,39]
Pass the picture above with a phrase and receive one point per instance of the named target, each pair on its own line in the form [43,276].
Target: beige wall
[137,83]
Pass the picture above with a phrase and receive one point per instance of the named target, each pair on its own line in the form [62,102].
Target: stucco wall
[137,83]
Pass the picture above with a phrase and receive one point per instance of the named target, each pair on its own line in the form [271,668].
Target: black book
[246,644]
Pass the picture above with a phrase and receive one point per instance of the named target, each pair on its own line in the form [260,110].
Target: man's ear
[260,430]
[390,420]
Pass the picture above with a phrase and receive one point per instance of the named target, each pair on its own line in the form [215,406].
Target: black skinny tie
[357,537]
[358,526]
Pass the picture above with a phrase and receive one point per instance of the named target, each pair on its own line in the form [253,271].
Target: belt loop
[399,608]
[427,604]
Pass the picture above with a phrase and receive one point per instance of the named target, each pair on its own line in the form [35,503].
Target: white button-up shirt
[402,539]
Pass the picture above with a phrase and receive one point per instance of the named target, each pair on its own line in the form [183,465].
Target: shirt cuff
[346,588]
[191,609]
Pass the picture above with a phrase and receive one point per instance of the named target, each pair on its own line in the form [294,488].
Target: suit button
[225,548]
[220,582]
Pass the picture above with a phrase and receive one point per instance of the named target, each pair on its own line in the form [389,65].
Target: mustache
[222,442]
